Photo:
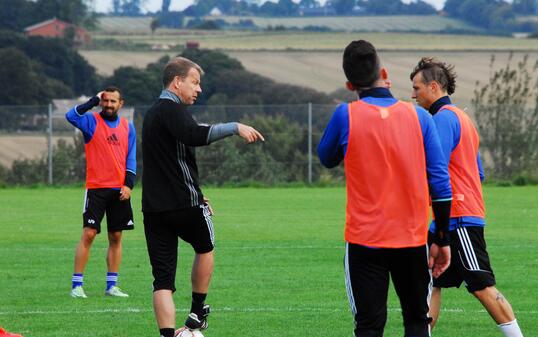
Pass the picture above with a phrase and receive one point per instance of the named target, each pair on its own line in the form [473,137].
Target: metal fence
[36,135]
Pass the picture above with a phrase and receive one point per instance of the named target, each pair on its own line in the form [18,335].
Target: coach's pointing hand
[249,134]
[439,259]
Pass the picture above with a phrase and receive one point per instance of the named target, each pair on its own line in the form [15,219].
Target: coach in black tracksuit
[172,201]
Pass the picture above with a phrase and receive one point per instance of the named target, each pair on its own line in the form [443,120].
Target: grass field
[279,268]
[347,23]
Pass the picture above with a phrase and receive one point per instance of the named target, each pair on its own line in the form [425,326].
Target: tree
[343,7]
[15,14]
[22,86]
[116,7]
[497,15]
[171,19]
[165,6]
[281,8]
[452,7]
[525,7]
[26,86]
[155,23]
[73,11]
[420,8]
[506,111]
[309,4]
[59,61]
[131,7]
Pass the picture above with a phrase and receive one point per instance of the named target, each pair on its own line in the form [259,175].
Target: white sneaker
[115,291]
[78,292]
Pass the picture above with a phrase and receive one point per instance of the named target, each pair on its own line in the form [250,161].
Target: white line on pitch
[225,309]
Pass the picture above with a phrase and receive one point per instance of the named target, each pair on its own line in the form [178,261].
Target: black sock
[167,332]
[197,302]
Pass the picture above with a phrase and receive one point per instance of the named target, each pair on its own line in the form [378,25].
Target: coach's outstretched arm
[189,132]
[221,131]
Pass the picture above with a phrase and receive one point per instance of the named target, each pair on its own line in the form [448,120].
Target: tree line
[17,14]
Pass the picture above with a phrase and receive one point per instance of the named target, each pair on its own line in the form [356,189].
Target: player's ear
[434,86]
[350,86]
[383,73]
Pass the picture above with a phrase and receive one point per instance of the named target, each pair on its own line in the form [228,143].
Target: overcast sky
[154,5]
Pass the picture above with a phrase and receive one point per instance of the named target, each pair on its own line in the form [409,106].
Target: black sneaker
[198,322]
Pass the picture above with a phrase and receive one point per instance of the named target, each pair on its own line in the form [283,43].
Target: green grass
[279,269]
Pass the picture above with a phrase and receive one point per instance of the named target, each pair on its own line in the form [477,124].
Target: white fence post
[310,143]
[49,143]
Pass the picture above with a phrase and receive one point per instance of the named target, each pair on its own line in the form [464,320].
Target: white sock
[510,329]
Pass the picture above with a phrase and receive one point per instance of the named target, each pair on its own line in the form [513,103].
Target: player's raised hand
[439,259]
[249,134]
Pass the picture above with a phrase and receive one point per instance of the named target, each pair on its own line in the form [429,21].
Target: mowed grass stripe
[278,259]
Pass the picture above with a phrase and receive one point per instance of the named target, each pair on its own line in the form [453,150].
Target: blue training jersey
[333,145]
[449,130]
[86,123]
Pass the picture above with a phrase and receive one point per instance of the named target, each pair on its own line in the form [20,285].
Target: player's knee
[114,238]
[164,283]
[88,235]
[203,248]
[485,292]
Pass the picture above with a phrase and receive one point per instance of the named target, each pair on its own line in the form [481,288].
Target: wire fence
[38,145]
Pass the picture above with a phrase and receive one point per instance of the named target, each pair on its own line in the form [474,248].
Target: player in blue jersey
[110,145]
[392,155]
[433,82]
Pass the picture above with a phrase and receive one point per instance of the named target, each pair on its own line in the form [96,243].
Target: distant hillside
[404,23]
[400,23]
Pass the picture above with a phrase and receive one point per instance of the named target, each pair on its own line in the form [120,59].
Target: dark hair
[434,70]
[178,66]
[112,88]
[361,64]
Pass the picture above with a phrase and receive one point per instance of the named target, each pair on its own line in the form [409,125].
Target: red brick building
[55,28]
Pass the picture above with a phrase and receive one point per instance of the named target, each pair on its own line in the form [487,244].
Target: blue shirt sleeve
[131,150]
[436,164]
[333,144]
[85,122]
[480,168]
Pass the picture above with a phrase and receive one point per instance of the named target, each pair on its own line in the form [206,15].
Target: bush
[506,111]
[68,166]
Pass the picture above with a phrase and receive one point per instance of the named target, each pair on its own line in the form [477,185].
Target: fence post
[49,143]
[310,143]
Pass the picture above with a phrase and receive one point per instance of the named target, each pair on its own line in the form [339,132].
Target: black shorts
[469,262]
[98,201]
[368,272]
[193,225]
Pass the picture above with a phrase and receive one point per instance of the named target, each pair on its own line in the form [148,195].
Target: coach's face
[111,102]
[189,87]
[422,92]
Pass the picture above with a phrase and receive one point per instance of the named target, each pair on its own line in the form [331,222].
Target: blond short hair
[178,66]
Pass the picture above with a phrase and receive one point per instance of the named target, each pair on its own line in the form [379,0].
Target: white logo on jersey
[91,221]
[130,223]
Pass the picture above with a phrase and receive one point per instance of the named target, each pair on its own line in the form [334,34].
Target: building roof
[41,24]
